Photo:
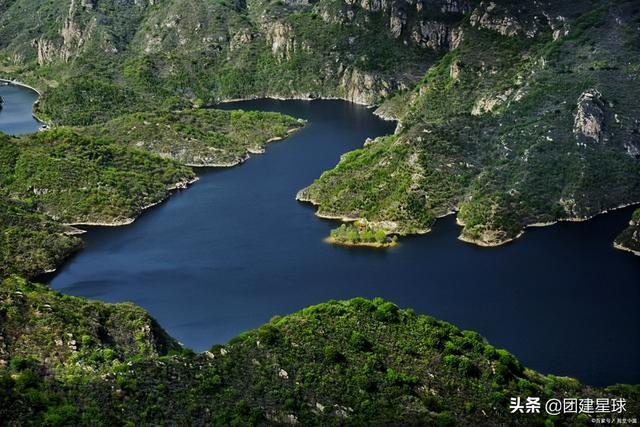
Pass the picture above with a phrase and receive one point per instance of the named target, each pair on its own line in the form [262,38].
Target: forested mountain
[509,114]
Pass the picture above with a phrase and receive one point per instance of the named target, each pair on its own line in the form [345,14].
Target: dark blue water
[236,248]
[16,117]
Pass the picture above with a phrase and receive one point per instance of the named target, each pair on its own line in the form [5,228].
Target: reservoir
[236,248]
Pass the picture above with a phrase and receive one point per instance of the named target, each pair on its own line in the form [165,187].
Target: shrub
[387,312]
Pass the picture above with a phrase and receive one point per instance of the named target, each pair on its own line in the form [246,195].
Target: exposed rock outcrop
[454,6]
[589,119]
[366,88]
[282,40]
[488,15]
[72,35]
[629,239]
[240,39]
[72,38]
[46,51]
[433,34]
[632,144]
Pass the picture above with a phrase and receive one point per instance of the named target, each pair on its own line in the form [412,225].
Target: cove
[235,248]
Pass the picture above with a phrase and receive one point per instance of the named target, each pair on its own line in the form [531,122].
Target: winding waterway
[236,248]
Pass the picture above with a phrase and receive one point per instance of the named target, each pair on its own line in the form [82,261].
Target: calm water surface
[236,248]
[16,117]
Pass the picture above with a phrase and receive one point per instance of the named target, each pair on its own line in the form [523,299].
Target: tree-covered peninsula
[200,137]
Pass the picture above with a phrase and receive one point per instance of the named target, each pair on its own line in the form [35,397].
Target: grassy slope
[517,164]
[76,179]
[30,242]
[70,361]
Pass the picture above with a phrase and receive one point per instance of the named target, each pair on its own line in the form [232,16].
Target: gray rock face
[365,88]
[488,15]
[455,6]
[371,5]
[240,39]
[589,119]
[632,145]
[46,50]
[433,34]
[397,22]
[281,38]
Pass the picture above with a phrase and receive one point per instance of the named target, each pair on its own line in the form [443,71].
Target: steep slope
[355,362]
[65,176]
[77,179]
[531,120]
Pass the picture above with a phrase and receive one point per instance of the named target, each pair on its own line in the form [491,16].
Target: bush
[387,312]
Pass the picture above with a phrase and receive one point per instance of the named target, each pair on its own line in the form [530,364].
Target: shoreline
[332,241]
[180,185]
[292,98]
[249,151]
[24,85]
[540,225]
[622,247]
[483,244]
[304,199]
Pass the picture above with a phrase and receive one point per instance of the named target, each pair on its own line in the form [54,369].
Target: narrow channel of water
[236,248]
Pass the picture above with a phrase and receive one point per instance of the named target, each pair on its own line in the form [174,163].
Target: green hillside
[68,361]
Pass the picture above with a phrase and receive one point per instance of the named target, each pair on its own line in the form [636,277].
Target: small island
[361,233]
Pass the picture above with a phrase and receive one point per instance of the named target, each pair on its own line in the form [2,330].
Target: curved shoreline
[33,89]
[180,185]
[301,198]
[622,247]
[24,85]
[346,219]
[249,151]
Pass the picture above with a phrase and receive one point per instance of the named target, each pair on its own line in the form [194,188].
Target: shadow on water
[236,248]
